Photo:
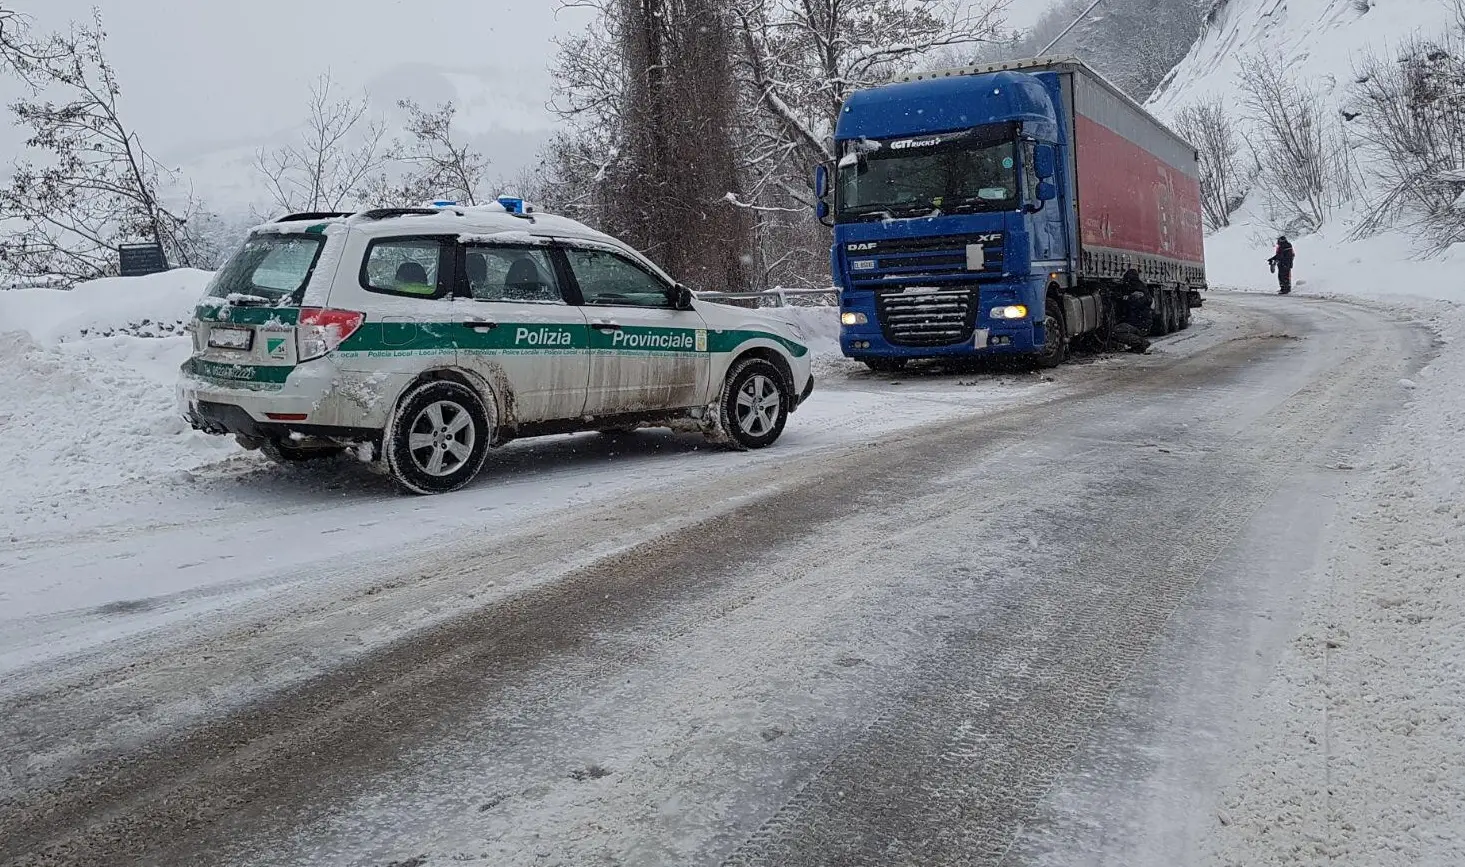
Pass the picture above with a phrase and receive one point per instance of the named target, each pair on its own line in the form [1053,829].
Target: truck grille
[943,257]
[927,316]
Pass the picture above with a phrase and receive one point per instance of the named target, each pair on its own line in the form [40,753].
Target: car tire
[438,438]
[1055,352]
[885,365]
[754,405]
[283,453]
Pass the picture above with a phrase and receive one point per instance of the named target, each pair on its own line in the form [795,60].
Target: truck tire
[438,438]
[885,365]
[754,405]
[1055,346]
[1185,311]
[1161,324]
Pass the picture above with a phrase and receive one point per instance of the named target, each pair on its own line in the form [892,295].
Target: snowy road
[1013,622]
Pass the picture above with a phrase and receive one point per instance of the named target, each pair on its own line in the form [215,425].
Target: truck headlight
[849,317]
[1012,311]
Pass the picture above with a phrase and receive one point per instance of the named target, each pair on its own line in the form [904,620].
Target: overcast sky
[204,75]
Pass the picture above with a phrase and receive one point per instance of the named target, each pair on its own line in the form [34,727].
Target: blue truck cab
[947,227]
[1005,210]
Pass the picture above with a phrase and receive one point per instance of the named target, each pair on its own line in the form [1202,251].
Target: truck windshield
[960,172]
[267,268]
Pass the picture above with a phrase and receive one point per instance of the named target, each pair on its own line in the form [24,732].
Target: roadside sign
[137,260]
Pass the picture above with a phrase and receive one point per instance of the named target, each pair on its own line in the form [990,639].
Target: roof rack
[313,215]
[388,213]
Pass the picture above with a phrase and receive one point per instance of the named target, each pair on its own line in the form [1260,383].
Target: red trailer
[1138,204]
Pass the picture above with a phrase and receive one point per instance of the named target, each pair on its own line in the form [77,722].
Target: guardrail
[779,297]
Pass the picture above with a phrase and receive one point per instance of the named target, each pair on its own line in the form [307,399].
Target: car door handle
[606,326]
[480,324]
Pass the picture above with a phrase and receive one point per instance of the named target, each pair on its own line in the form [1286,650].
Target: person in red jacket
[1281,263]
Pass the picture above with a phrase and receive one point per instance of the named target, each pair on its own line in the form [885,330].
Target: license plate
[231,338]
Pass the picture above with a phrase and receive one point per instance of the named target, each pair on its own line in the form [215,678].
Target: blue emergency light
[512,204]
[444,203]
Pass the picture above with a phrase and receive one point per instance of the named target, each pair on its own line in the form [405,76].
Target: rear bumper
[316,399]
[231,419]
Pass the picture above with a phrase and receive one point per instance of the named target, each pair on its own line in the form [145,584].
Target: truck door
[645,355]
[1049,231]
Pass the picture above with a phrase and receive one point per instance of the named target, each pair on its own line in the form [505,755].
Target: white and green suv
[423,337]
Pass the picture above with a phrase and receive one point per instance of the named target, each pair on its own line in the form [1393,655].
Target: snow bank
[80,409]
[92,413]
[819,325]
[155,305]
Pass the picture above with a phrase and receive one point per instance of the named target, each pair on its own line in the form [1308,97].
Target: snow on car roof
[476,221]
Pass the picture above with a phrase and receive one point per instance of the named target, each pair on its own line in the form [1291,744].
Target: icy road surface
[949,620]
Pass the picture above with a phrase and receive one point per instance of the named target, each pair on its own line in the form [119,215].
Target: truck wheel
[1055,337]
[1161,324]
[283,453]
[438,438]
[885,365]
[1185,311]
[754,406]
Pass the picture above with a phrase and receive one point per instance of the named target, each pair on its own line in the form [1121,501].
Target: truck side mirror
[1047,191]
[1045,161]
[821,182]
[821,210]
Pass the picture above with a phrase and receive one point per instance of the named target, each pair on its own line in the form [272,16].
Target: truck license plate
[979,340]
[231,338]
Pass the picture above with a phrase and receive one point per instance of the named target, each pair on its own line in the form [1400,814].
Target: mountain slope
[1318,39]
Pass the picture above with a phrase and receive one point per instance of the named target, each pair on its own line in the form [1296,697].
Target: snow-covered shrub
[1410,107]
[1227,175]
[1306,170]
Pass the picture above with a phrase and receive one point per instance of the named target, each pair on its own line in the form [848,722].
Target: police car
[422,337]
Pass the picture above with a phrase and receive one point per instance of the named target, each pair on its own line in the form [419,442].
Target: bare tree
[800,60]
[1306,169]
[438,162]
[21,55]
[803,57]
[339,152]
[1226,174]
[591,89]
[1411,110]
[97,186]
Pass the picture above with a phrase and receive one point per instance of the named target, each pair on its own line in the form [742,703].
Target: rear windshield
[268,267]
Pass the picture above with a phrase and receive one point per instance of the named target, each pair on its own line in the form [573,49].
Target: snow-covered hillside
[1320,42]
[1318,39]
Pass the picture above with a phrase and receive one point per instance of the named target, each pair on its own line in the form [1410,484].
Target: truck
[1006,209]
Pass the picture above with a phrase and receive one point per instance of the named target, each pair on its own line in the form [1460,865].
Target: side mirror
[1045,161]
[821,194]
[1047,191]
[681,297]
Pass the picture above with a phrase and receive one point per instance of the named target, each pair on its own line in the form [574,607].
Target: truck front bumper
[1016,338]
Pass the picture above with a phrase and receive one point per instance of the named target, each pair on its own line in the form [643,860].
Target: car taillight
[322,329]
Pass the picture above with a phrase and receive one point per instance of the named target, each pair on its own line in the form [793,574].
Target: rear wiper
[244,299]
